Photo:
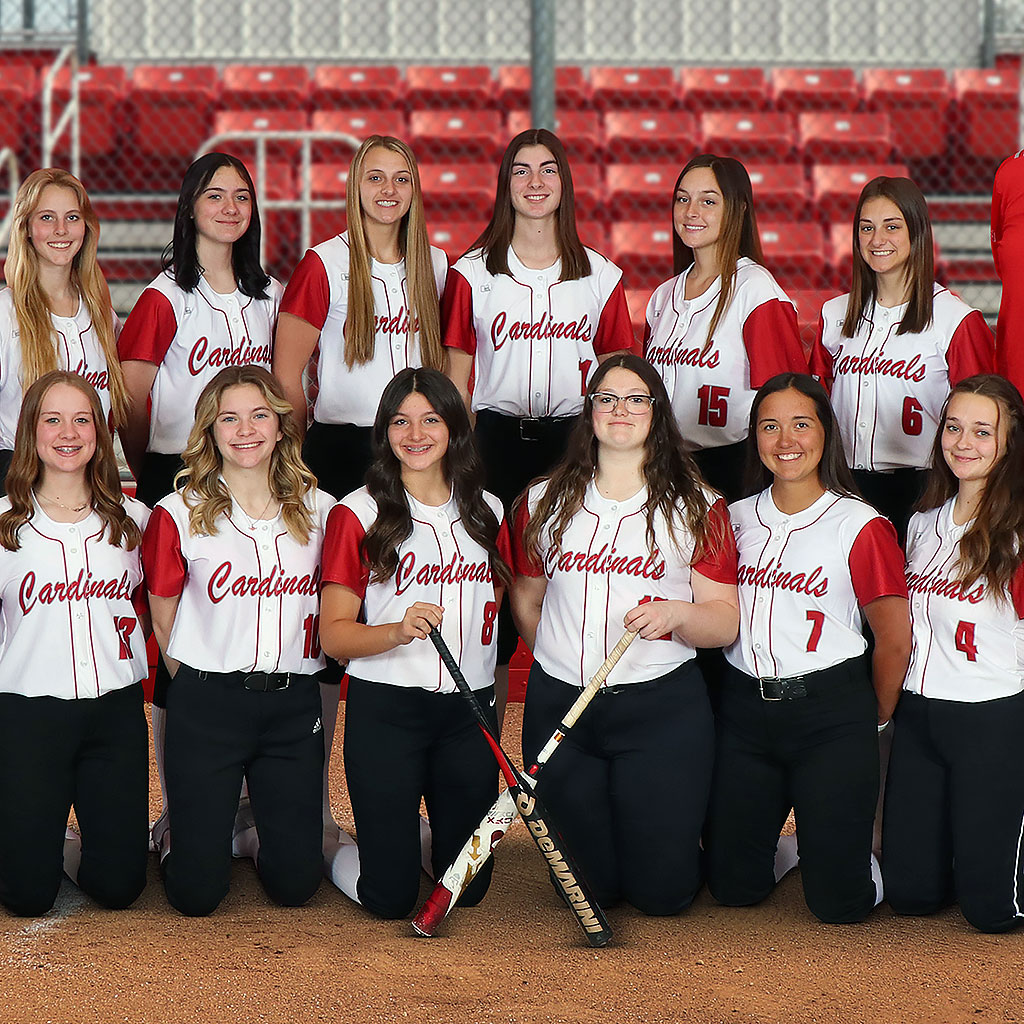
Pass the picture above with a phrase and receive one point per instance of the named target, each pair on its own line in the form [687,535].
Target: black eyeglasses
[636,405]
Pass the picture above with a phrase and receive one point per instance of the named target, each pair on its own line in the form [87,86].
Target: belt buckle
[768,679]
[264,682]
[529,428]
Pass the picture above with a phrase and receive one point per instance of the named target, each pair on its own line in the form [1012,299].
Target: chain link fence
[815,96]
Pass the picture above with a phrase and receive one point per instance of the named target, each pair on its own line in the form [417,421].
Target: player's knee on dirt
[294,888]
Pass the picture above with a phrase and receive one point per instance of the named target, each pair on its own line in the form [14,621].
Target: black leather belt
[263,682]
[537,428]
[791,688]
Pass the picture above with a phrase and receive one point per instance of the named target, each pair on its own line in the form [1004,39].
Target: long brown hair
[739,236]
[993,544]
[101,474]
[424,306]
[35,328]
[674,484]
[920,269]
[496,238]
[203,489]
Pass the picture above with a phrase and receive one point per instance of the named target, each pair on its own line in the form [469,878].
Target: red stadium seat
[431,88]
[651,136]
[644,190]
[803,89]
[360,86]
[594,234]
[840,253]
[588,188]
[780,191]
[795,254]
[173,108]
[572,89]
[643,251]
[832,138]
[808,304]
[988,111]
[467,136]
[578,130]
[101,92]
[280,227]
[358,123]
[453,192]
[327,181]
[636,300]
[836,188]
[455,238]
[917,101]
[756,135]
[261,87]
[255,121]
[633,88]
[723,89]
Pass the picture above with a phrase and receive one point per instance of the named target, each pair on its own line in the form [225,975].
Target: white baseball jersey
[535,339]
[191,337]
[967,646]
[70,625]
[249,595]
[756,338]
[78,350]
[603,569]
[439,563]
[803,580]
[888,388]
[318,293]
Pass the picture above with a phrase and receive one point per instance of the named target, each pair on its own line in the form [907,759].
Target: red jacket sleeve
[149,329]
[342,560]
[457,314]
[771,336]
[821,365]
[523,561]
[504,542]
[877,563]
[162,561]
[615,328]
[997,218]
[1017,592]
[720,562]
[308,295]
[971,349]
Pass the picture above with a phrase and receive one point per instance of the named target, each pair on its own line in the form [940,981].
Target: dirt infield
[516,960]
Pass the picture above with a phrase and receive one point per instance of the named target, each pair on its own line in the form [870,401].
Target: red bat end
[433,912]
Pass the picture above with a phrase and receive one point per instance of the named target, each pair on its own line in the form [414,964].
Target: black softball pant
[817,755]
[893,493]
[953,826]
[403,744]
[339,454]
[91,753]
[628,786]
[218,732]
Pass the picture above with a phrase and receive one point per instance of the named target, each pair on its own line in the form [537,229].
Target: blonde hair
[200,482]
[38,351]
[424,307]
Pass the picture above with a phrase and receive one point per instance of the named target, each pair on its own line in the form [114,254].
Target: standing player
[55,311]
[722,326]
[624,532]
[890,349]
[954,803]
[232,563]
[369,298]
[1008,253]
[798,714]
[420,545]
[72,657]
[531,312]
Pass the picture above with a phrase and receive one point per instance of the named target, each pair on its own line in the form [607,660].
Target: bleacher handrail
[9,158]
[71,114]
[305,203]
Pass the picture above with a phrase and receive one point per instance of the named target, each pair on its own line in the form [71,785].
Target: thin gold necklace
[59,503]
[262,515]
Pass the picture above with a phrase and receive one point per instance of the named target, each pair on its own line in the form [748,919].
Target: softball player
[890,349]
[798,714]
[420,545]
[624,532]
[72,657]
[954,804]
[1008,253]
[55,312]
[722,326]
[369,299]
[232,563]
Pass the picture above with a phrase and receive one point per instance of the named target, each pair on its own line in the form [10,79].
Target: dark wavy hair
[833,472]
[496,238]
[674,484]
[180,259]
[463,469]
[993,545]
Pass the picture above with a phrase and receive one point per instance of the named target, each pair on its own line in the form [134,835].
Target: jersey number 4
[714,405]
[964,640]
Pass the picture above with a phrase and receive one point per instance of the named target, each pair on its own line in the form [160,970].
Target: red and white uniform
[78,350]
[602,570]
[967,645]
[260,586]
[318,294]
[803,580]
[535,339]
[756,338]
[69,627]
[887,388]
[191,336]
[439,563]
